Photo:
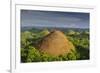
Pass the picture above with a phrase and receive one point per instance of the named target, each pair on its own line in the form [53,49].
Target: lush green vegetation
[29,52]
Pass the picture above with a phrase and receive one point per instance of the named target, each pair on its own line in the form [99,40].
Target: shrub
[33,55]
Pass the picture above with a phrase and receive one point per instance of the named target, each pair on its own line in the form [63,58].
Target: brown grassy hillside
[55,43]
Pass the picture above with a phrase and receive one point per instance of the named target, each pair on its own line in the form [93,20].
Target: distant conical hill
[55,43]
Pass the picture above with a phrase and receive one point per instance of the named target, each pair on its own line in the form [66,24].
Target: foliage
[33,55]
[29,53]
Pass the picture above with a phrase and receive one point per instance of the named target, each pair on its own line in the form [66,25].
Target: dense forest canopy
[31,37]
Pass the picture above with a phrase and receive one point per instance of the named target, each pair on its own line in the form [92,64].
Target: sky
[36,18]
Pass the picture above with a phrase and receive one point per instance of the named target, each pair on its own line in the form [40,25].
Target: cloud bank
[54,19]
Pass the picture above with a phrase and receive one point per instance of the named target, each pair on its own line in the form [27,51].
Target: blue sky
[54,19]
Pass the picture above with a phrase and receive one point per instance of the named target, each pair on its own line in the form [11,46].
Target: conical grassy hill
[55,43]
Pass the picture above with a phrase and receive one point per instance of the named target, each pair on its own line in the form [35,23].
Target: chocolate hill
[55,43]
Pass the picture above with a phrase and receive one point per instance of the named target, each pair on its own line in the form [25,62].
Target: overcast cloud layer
[54,19]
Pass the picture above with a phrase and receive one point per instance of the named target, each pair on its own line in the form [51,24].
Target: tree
[33,55]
